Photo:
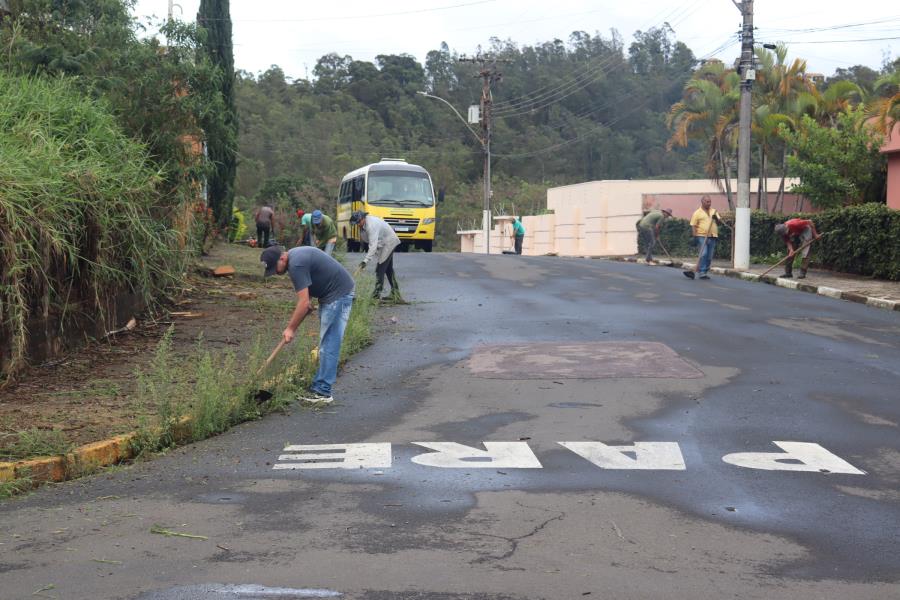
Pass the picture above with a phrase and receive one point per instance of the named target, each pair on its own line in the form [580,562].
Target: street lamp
[486,148]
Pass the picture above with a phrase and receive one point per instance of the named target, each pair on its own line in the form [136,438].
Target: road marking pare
[648,456]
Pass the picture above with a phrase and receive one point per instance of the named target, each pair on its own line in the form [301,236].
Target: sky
[294,34]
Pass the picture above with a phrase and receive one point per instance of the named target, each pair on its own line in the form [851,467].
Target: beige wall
[598,218]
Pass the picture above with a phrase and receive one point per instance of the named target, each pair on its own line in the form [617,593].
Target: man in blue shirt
[315,274]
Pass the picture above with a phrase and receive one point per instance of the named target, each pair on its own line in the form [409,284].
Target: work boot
[788,270]
[802,274]
[688,274]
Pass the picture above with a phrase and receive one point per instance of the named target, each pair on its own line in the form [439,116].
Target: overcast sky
[293,34]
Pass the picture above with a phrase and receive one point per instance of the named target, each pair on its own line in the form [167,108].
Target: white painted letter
[450,455]
[803,456]
[336,456]
[662,456]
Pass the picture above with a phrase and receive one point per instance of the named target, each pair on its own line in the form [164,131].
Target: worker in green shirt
[649,227]
[324,232]
[518,234]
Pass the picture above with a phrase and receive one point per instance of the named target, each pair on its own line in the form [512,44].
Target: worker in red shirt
[797,233]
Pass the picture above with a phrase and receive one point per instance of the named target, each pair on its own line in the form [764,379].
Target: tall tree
[214,16]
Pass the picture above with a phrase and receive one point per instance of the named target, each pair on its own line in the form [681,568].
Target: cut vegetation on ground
[198,360]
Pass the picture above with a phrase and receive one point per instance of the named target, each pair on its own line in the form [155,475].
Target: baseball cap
[269,257]
[317,216]
[357,216]
[668,211]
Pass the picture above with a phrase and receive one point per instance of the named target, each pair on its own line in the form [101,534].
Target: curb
[82,460]
[791,284]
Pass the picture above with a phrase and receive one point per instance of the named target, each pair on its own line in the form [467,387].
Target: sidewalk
[844,286]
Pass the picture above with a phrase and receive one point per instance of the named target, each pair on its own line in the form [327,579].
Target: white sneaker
[312,397]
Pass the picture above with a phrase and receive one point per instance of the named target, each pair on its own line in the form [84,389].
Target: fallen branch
[169,533]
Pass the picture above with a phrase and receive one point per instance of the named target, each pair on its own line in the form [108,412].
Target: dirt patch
[88,395]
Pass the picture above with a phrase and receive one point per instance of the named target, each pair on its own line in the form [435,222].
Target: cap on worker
[781,229]
[317,217]
[668,211]
[269,257]
[357,216]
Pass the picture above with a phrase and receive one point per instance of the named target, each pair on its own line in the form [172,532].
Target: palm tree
[836,99]
[708,112]
[779,87]
[886,108]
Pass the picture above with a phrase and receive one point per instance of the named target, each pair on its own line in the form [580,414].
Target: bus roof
[385,165]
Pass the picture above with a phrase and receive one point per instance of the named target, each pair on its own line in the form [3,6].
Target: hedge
[863,239]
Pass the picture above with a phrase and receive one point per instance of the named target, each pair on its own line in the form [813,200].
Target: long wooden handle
[271,357]
[791,256]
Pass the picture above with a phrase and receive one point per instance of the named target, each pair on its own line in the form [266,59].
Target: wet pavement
[533,428]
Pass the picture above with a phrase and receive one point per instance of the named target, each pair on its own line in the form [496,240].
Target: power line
[585,76]
[534,102]
[579,137]
[877,39]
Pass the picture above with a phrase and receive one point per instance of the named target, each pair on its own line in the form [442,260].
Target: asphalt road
[536,353]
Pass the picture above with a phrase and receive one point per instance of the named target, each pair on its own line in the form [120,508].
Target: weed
[35,442]
[358,334]
[17,486]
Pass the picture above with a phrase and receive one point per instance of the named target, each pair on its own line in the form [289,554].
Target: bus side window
[358,187]
[344,196]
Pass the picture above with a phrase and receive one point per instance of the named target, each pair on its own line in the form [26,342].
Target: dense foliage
[102,163]
[77,209]
[160,93]
[592,108]
[826,134]
[836,165]
[220,127]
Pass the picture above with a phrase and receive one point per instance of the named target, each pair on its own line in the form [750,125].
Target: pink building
[892,149]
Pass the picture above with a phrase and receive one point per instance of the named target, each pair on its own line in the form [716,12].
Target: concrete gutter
[791,284]
[82,460]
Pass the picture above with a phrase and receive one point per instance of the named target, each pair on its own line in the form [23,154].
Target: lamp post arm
[456,112]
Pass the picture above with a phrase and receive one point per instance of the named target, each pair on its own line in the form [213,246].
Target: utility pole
[741,239]
[489,75]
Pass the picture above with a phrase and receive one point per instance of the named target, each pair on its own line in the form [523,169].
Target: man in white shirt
[382,241]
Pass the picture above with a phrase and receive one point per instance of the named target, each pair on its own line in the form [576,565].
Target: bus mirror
[441,195]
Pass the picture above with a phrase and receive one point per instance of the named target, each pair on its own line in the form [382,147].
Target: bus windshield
[399,188]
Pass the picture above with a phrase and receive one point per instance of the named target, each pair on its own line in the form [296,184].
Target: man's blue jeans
[333,319]
[706,255]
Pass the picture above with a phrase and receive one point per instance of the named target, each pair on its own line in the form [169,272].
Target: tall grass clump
[77,222]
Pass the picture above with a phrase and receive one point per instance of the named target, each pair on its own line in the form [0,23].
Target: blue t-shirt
[326,278]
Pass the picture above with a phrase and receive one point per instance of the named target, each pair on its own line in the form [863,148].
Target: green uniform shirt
[652,219]
[324,231]
[518,228]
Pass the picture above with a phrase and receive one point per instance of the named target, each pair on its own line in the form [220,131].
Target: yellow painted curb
[83,459]
[7,471]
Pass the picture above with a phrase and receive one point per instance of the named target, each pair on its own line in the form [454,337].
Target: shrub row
[862,239]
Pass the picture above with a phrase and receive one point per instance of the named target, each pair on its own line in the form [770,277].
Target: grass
[35,442]
[8,489]
[216,389]
[79,218]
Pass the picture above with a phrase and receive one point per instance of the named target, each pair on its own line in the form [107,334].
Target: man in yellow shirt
[705,224]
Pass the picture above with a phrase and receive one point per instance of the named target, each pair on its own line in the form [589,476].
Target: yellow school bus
[396,191]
